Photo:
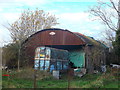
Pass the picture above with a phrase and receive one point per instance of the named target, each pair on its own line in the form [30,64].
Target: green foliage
[10,54]
[105,80]
[28,74]
[116,43]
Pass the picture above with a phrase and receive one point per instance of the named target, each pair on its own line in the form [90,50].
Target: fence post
[35,81]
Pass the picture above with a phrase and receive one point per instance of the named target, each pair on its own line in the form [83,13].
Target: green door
[77,58]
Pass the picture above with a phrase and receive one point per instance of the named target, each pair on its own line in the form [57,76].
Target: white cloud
[74,0]
[5,19]
[9,17]
[22,3]
[81,0]
[79,22]
[73,20]
[1,9]
[32,2]
[4,36]
[74,16]
[89,33]
[4,1]
[52,11]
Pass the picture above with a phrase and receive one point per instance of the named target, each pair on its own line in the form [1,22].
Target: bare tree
[29,23]
[109,14]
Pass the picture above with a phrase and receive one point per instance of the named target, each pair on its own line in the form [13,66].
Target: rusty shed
[83,51]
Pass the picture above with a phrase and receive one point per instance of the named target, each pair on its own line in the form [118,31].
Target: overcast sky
[73,15]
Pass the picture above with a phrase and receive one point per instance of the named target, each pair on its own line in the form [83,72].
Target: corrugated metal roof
[61,37]
[84,39]
[90,40]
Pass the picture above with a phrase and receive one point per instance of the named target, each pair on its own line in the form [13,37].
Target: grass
[24,79]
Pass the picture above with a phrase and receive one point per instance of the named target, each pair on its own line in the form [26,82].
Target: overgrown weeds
[25,78]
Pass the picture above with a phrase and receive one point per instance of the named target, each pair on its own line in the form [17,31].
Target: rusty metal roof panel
[55,37]
[89,40]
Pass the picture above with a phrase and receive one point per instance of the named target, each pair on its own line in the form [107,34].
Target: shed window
[41,64]
[50,59]
[47,63]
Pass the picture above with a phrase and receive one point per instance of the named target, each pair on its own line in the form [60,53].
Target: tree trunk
[18,60]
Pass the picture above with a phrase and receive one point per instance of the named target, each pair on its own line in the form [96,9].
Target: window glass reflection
[41,64]
[50,59]
[47,63]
